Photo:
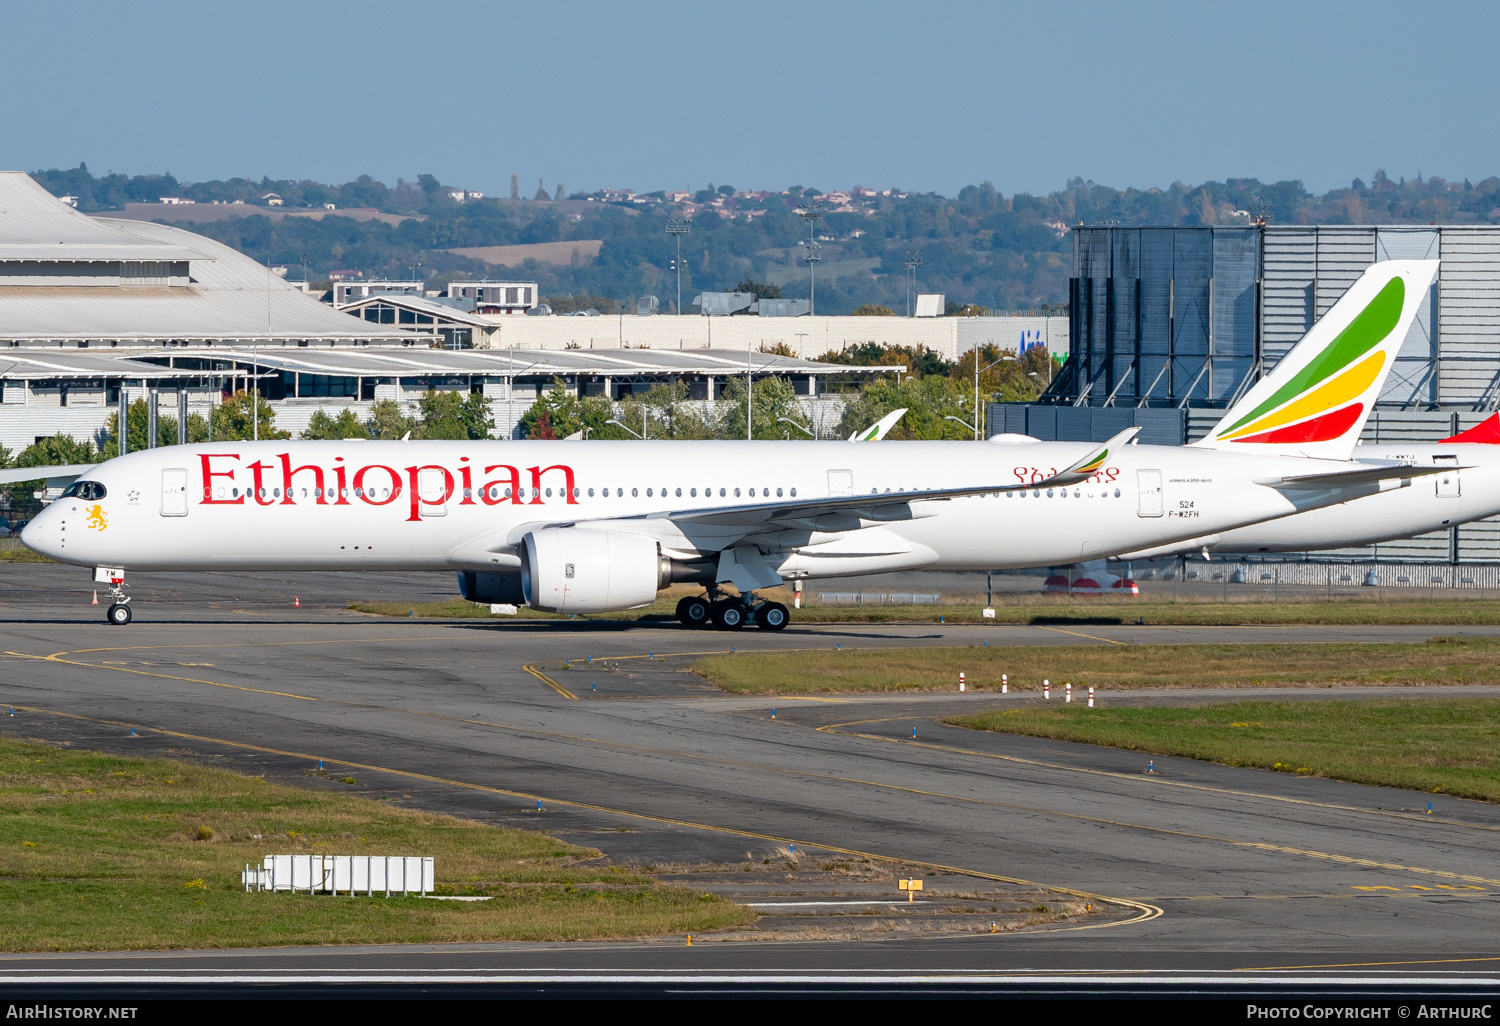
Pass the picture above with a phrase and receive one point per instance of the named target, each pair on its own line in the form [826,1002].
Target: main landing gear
[731,614]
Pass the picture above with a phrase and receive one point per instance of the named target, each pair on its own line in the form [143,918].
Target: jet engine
[481,587]
[576,570]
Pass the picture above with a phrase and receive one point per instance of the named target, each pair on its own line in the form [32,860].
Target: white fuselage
[1470,492]
[432,505]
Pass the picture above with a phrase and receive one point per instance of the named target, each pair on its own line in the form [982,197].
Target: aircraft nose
[37,537]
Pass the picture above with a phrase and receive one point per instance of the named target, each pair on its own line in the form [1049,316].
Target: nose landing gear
[118,614]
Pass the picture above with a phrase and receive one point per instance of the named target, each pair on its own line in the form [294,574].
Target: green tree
[57,451]
[771,398]
[233,419]
[448,415]
[555,414]
[928,400]
[873,310]
[345,425]
[389,422]
[138,423]
[759,289]
[199,428]
[916,359]
[662,412]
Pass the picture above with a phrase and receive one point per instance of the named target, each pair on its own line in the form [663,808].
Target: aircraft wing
[753,517]
[13,475]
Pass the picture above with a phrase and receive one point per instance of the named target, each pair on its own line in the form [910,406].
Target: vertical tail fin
[1316,401]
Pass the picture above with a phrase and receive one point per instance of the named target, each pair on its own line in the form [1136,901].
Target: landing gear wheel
[772,616]
[728,616]
[693,612]
[118,614]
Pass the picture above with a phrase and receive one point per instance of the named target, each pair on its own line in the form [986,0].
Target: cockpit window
[91,491]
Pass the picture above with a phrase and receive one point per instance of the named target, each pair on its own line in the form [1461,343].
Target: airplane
[602,526]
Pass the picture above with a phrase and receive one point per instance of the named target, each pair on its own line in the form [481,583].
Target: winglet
[1317,399]
[876,431]
[1085,467]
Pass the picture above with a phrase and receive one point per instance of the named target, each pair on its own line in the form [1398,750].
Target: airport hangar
[96,311]
[1172,325]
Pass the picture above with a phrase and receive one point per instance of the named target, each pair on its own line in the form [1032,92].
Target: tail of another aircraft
[1317,399]
[1486,432]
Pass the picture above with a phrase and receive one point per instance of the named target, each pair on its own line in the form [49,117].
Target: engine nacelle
[576,570]
[494,588]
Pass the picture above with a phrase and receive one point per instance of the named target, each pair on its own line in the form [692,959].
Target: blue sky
[648,95]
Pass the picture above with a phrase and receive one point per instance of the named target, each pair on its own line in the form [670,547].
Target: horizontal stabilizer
[1349,478]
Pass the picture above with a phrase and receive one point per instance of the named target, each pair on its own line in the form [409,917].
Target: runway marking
[554,685]
[1257,845]
[1369,965]
[833,728]
[248,644]
[56,658]
[895,787]
[1145,912]
[1077,634]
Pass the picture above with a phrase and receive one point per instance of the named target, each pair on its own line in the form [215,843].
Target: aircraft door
[432,490]
[840,482]
[1447,481]
[174,493]
[1148,485]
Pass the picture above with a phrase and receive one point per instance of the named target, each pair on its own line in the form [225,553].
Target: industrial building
[95,310]
[1188,318]
[1171,325]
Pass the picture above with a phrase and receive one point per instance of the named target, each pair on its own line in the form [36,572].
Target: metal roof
[231,298]
[36,225]
[418,304]
[400,361]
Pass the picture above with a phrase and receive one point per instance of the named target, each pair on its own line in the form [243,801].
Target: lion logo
[97,521]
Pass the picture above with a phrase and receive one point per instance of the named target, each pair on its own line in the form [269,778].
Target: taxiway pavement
[1210,867]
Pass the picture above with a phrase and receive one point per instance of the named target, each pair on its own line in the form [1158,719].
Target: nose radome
[32,536]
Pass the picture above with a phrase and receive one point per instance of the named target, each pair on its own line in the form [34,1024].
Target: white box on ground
[349,874]
[988,614]
[502,609]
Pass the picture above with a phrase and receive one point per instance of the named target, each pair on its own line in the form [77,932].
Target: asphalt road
[1210,869]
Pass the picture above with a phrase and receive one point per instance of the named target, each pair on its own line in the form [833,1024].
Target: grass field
[1437,661]
[103,852]
[1447,746]
[1046,609]
[12,551]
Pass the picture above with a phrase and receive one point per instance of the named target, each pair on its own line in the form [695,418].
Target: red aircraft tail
[1486,432]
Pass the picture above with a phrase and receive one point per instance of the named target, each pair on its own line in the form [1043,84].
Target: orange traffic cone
[296,602]
[96,597]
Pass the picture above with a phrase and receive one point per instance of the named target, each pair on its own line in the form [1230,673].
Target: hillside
[1007,253]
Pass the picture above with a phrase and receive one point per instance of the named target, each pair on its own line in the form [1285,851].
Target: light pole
[617,424]
[814,253]
[677,229]
[977,372]
[912,262]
